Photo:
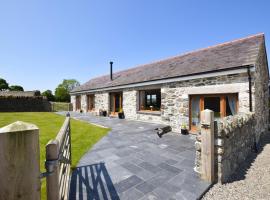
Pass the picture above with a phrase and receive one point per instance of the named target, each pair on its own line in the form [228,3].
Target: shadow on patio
[92,182]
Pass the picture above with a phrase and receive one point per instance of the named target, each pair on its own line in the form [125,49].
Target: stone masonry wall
[234,141]
[102,101]
[73,102]
[175,96]
[130,103]
[261,93]
[84,102]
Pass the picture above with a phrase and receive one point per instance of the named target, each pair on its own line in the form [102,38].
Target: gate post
[52,152]
[19,162]
[207,142]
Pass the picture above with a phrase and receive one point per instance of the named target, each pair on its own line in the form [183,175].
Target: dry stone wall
[234,141]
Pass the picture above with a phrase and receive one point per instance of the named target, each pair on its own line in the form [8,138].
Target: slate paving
[132,162]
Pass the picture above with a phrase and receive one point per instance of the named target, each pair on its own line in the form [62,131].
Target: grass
[83,135]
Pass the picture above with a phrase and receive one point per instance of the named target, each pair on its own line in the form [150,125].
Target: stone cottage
[227,78]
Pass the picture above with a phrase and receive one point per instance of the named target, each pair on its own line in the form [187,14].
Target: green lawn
[83,135]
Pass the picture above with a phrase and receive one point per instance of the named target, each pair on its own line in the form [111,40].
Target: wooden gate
[58,162]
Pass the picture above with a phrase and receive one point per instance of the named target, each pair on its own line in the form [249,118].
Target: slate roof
[224,56]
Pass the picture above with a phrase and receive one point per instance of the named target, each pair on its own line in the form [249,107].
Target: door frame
[113,96]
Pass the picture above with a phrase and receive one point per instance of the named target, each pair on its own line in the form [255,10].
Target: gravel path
[252,181]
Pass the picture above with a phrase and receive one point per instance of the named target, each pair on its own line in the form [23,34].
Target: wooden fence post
[207,142]
[52,152]
[19,162]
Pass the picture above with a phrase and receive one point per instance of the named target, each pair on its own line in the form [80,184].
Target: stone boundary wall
[24,104]
[234,141]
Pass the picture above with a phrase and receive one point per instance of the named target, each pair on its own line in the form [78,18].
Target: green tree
[61,94]
[63,89]
[69,84]
[3,85]
[16,88]
[48,94]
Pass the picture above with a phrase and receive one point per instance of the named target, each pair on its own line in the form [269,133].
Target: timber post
[207,145]
[19,167]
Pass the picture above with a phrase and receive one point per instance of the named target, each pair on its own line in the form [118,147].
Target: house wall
[175,98]
[261,80]
[102,101]
[73,102]
[84,103]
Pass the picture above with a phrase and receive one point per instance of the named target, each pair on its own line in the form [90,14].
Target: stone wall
[234,141]
[175,96]
[130,103]
[84,102]
[73,102]
[24,104]
[261,80]
[102,101]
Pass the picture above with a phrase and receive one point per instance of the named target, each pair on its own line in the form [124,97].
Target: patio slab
[132,162]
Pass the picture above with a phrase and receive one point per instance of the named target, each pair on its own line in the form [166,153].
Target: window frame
[201,104]
[144,105]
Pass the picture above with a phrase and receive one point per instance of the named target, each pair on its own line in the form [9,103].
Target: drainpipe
[250,89]
[255,146]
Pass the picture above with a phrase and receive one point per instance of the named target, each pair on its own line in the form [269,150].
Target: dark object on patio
[161,131]
[184,131]
[81,111]
[121,115]
[103,113]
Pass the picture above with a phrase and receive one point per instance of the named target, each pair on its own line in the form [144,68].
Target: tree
[3,85]
[69,84]
[48,94]
[16,88]
[63,89]
[61,94]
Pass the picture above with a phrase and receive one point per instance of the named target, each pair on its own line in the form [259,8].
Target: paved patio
[132,162]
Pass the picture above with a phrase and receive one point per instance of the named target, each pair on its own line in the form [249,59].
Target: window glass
[150,100]
[195,112]
[213,103]
[230,105]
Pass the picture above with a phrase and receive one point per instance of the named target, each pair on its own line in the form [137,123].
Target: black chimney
[111,64]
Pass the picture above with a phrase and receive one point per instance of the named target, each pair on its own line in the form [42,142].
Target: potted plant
[184,130]
[121,114]
[104,113]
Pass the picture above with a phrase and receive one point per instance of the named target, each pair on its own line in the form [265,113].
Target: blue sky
[43,42]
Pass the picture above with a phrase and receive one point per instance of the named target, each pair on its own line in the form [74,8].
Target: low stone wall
[234,141]
[24,104]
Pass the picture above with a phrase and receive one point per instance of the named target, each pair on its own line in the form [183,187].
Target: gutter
[207,74]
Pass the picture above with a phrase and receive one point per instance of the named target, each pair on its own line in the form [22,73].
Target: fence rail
[58,162]
[60,106]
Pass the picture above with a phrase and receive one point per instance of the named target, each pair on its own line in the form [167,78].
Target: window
[222,104]
[150,100]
